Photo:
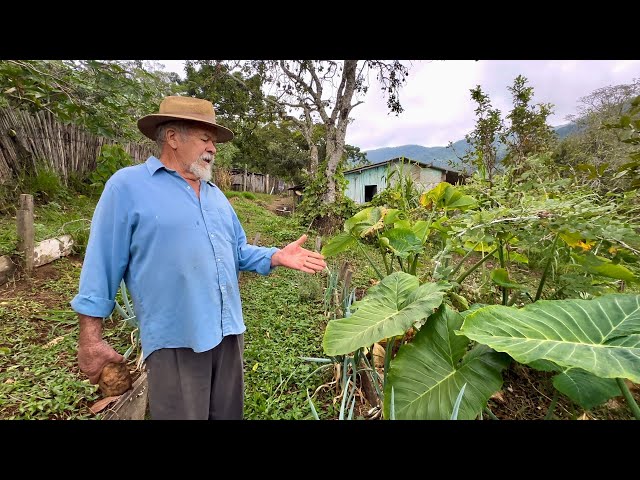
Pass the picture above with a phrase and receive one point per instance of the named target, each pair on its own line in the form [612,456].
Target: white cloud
[437,103]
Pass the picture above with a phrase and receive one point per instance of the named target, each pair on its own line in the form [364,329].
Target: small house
[365,182]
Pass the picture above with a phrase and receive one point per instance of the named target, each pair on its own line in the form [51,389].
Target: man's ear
[171,137]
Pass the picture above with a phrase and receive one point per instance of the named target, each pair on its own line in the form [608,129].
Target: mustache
[207,157]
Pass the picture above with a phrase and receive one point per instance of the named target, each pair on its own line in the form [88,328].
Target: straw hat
[184,108]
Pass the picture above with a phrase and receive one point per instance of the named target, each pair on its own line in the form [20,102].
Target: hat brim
[149,124]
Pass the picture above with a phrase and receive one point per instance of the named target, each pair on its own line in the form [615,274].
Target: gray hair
[182,126]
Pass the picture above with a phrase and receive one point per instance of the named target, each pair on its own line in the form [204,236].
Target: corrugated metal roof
[416,162]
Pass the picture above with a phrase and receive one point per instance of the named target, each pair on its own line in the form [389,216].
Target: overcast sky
[437,102]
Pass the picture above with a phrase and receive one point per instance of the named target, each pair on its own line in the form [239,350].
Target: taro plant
[389,230]
[428,373]
[594,345]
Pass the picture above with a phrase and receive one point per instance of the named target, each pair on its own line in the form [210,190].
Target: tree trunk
[313,164]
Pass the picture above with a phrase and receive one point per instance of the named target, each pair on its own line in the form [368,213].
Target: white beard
[200,170]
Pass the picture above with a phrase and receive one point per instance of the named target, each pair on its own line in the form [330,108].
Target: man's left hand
[298,258]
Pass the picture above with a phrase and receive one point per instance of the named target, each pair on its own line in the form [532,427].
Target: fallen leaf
[498,396]
[10,380]
[102,404]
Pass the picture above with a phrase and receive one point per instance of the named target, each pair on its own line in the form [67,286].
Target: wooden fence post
[318,243]
[26,241]
[244,179]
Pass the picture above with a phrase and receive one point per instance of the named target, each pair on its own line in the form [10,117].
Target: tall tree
[326,92]
[593,143]
[482,155]
[241,104]
[321,94]
[528,132]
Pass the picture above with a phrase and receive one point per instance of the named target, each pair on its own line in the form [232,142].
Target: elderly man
[177,242]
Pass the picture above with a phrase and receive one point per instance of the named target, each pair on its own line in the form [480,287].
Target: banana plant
[578,338]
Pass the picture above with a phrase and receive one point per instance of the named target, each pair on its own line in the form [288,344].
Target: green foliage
[313,209]
[80,184]
[233,194]
[39,378]
[248,195]
[482,156]
[389,309]
[528,133]
[111,159]
[402,191]
[311,290]
[44,184]
[428,373]
[603,143]
[105,97]
[599,337]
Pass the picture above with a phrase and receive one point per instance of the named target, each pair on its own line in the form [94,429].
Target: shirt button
[219,259]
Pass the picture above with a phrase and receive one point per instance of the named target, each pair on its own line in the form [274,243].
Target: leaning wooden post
[26,241]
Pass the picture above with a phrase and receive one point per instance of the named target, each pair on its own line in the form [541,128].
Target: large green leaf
[600,336]
[338,244]
[385,312]
[596,265]
[428,373]
[500,277]
[584,388]
[367,221]
[403,242]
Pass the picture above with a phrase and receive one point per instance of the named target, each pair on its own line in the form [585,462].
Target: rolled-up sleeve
[107,255]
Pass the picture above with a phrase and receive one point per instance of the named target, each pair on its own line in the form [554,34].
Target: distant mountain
[443,157]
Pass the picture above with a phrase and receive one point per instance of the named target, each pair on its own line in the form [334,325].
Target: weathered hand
[93,356]
[298,258]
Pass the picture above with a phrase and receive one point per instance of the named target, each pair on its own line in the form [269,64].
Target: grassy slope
[38,372]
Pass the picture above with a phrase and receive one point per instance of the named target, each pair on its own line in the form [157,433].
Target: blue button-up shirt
[179,256]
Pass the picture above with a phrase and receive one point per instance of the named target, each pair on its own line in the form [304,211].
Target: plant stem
[387,358]
[401,264]
[546,268]
[490,413]
[455,270]
[633,406]
[505,295]
[552,406]
[371,262]
[472,269]
[414,264]
[384,259]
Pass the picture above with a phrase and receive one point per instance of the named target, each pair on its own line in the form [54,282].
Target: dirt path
[280,203]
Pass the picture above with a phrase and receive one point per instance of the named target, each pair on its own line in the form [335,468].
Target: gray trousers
[184,385]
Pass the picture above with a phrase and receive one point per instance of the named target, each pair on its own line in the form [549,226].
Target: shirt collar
[154,164]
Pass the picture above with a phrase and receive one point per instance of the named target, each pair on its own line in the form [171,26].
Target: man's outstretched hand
[298,258]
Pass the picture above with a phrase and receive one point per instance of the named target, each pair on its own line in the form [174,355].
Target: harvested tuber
[115,379]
